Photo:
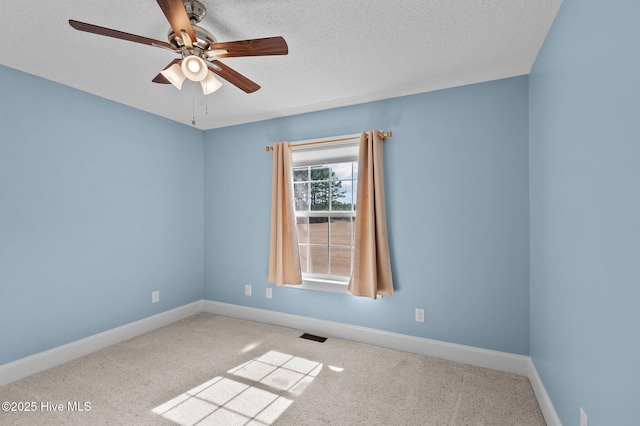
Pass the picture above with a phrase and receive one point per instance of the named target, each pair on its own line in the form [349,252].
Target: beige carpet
[214,370]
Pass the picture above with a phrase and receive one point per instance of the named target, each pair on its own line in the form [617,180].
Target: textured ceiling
[340,52]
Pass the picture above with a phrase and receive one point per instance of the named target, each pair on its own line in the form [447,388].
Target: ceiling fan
[198,49]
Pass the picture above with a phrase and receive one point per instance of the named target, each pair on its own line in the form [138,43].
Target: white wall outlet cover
[247,290]
[155,296]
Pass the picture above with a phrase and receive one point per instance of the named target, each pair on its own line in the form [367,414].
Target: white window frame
[345,150]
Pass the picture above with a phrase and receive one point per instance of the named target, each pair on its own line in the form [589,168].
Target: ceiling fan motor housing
[205,38]
[195,10]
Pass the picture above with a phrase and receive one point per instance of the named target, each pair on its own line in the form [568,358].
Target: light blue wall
[457,205]
[100,204]
[585,212]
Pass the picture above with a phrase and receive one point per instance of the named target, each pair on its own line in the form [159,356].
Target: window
[325,184]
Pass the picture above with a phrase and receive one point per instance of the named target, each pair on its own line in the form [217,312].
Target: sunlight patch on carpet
[275,380]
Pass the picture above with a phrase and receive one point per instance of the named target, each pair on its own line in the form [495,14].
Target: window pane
[326,242]
[300,174]
[320,173]
[304,261]
[340,261]
[301,194]
[319,259]
[302,224]
[319,230]
[319,196]
[341,193]
[341,231]
[341,171]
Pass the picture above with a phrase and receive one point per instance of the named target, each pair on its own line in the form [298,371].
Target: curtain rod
[382,135]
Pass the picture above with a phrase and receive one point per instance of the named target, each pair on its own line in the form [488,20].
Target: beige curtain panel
[284,256]
[372,263]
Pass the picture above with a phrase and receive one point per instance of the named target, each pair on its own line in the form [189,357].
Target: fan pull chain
[193,103]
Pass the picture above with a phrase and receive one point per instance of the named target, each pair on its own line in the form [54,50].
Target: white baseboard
[42,361]
[546,406]
[511,363]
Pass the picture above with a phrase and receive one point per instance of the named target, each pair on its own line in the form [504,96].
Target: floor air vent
[313,337]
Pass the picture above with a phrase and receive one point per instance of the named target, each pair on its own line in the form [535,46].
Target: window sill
[315,284]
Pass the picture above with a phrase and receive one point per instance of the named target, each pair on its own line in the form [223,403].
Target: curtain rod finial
[384,135]
[268,148]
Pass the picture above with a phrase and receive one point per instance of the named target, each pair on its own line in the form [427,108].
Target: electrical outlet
[269,293]
[419,315]
[155,296]
[584,420]
[247,289]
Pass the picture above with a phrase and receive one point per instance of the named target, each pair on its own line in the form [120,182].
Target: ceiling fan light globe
[175,75]
[194,68]
[210,84]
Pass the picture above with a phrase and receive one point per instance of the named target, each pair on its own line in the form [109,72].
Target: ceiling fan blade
[177,16]
[255,47]
[161,79]
[233,77]
[90,28]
